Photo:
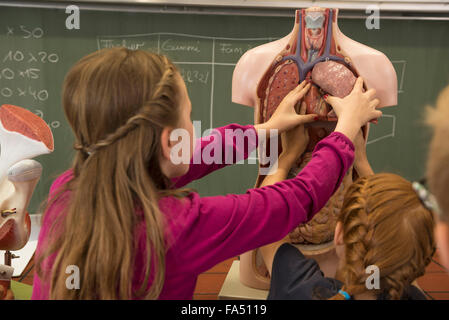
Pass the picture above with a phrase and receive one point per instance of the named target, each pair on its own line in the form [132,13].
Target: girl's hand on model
[285,116]
[354,110]
[295,140]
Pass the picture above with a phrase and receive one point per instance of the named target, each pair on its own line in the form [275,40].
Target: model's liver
[334,78]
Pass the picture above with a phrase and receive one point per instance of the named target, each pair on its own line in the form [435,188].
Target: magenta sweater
[203,231]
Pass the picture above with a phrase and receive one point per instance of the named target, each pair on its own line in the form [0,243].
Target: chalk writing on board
[31,73]
[36,94]
[191,76]
[7,73]
[41,56]
[228,48]
[400,70]
[10,74]
[22,69]
[389,126]
[213,51]
[170,45]
[25,32]
[131,45]
[53,124]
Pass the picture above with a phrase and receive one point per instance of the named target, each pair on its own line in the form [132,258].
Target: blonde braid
[395,283]
[407,273]
[386,225]
[357,237]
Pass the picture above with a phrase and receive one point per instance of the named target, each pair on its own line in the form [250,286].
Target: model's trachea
[305,67]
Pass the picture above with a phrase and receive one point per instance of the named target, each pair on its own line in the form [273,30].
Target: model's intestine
[311,55]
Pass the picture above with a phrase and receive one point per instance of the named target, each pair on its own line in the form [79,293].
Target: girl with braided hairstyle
[120,215]
[383,225]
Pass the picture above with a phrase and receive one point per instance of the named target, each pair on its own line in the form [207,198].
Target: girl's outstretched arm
[224,146]
[233,143]
[213,229]
[294,143]
[361,163]
[268,251]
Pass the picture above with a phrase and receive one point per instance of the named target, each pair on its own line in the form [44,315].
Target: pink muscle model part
[23,135]
[316,50]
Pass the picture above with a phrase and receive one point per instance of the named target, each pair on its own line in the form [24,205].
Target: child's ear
[166,144]
[338,235]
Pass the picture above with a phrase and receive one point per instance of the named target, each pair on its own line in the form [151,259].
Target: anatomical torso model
[315,50]
[23,135]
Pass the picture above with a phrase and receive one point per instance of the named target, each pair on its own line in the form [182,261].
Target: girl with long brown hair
[383,242]
[119,217]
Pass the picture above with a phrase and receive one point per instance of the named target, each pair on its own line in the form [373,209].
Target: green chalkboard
[36,51]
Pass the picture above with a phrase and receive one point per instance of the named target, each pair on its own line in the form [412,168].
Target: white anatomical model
[315,50]
[23,135]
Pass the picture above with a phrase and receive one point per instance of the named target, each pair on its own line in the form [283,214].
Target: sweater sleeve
[224,146]
[218,228]
[40,289]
